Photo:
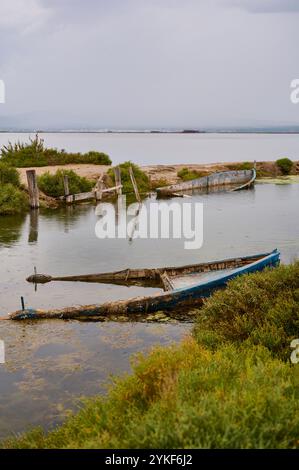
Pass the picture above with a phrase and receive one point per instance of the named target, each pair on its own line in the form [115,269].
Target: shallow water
[50,364]
[152,149]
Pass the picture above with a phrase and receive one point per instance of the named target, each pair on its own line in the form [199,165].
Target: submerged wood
[241,178]
[189,296]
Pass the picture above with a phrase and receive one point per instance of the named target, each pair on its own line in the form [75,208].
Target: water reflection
[11,229]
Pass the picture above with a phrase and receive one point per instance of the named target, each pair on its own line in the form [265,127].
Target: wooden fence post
[33,189]
[99,188]
[117,176]
[134,184]
[66,185]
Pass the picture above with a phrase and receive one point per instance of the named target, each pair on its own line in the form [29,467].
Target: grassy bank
[230,385]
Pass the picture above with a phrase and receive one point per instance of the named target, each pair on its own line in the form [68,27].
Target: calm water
[150,149]
[50,364]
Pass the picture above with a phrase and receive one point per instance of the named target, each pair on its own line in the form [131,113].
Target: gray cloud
[266,6]
[141,63]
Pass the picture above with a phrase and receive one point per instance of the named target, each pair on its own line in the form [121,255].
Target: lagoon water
[51,364]
[152,149]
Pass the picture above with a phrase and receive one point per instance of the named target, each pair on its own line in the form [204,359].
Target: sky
[148,63]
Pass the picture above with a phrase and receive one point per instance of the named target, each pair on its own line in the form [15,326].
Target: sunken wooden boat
[224,180]
[184,287]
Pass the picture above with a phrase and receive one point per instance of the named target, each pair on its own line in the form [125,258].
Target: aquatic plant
[52,185]
[35,154]
[285,165]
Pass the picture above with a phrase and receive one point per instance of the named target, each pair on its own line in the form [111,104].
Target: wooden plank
[33,189]
[167,284]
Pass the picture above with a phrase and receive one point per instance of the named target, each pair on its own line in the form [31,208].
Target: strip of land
[168,174]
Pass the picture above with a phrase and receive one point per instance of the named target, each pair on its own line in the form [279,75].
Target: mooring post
[134,184]
[33,189]
[117,176]
[22,303]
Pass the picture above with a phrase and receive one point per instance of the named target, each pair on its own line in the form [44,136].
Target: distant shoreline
[153,132]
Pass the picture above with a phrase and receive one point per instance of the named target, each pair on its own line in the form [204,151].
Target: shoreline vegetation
[84,170]
[228,385]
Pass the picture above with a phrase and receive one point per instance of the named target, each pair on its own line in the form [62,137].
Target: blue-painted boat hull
[183,297]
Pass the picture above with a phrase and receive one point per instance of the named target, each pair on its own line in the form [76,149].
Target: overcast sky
[148,63]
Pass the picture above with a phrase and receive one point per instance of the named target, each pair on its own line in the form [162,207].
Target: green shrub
[285,165]
[36,154]
[230,386]
[261,308]
[246,166]
[159,183]
[186,175]
[52,185]
[186,396]
[141,178]
[9,174]
[12,200]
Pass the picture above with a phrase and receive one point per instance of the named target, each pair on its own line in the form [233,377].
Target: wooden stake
[33,189]
[66,185]
[134,184]
[117,176]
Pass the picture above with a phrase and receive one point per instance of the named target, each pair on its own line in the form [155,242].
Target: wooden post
[117,176]
[33,227]
[66,185]
[134,184]
[33,189]
[99,188]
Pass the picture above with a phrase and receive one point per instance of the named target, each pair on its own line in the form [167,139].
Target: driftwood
[132,307]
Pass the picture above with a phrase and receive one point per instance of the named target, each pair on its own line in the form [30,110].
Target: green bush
[285,165]
[262,308]
[141,178]
[52,185]
[186,396]
[187,175]
[36,154]
[12,200]
[9,174]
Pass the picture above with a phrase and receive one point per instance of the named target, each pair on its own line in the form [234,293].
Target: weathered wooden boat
[232,180]
[184,286]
